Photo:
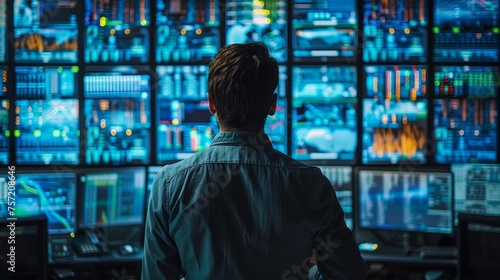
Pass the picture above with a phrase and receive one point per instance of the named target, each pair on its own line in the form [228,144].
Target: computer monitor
[396,82]
[3,30]
[117,115]
[324,106]
[49,192]
[402,200]
[45,31]
[394,131]
[46,82]
[46,131]
[111,197]
[466,31]
[265,21]
[477,189]
[466,81]
[3,83]
[324,30]
[4,132]
[116,31]
[395,31]
[187,31]
[341,179]
[465,130]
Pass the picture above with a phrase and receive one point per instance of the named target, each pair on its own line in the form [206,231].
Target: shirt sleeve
[161,257]
[337,253]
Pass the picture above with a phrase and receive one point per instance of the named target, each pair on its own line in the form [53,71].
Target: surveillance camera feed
[266,21]
[466,81]
[395,30]
[116,31]
[394,131]
[324,108]
[465,130]
[45,31]
[466,31]
[396,82]
[187,31]
[324,30]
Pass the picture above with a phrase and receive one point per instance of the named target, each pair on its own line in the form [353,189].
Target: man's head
[241,83]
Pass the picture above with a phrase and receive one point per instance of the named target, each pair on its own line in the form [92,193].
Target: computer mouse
[127,249]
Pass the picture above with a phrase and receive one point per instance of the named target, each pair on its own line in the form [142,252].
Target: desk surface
[398,257]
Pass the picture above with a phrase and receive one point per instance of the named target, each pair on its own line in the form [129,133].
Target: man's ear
[211,105]
[272,108]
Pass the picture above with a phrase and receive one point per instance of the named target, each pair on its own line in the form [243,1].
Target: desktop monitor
[394,131]
[466,31]
[465,130]
[49,192]
[410,201]
[187,31]
[324,106]
[46,131]
[395,31]
[396,82]
[466,81]
[324,30]
[4,132]
[117,115]
[265,21]
[116,31]
[3,30]
[477,189]
[46,82]
[45,31]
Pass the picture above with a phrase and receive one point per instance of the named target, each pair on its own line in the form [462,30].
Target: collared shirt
[242,210]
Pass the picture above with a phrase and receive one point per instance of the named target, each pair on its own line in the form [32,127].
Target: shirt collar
[241,138]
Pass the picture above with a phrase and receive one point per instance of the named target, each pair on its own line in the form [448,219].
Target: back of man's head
[241,83]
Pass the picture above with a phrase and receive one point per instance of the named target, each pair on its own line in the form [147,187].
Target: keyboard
[445,252]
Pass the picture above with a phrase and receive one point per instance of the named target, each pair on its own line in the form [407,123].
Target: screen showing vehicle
[405,201]
[324,108]
[394,131]
[341,179]
[117,115]
[187,31]
[45,31]
[396,82]
[395,31]
[4,132]
[324,30]
[466,81]
[465,130]
[265,21]
[466,31]
[46,82]
[117,31]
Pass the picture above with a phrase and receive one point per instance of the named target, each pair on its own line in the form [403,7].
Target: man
[240,209]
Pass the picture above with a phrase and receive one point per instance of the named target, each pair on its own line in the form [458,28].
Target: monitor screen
[116,31]
[187,31]
[405,201]
[395,31]
[465,130]
[324,30]
[46,131]
[112,197]
[477,189]
[466,81]
[265,21]
[4,132]
[341,179]
[324,107]
[50,193]
[276,125]
[117,115]
[45,31]
[46,82]
[3,30]
[396,82]
[4,83]
[466,31]
[394,131]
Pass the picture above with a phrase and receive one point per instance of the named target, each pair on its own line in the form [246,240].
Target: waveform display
[116,31]
[47,131]
[466,31]
[4,132]
[465,130]
[49,193]
[324,30]
[395,30]
[265,21]
[466,81]
[38,82]
[187,31]
[394,131]
[3,30]
[45,31]
[395,82]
